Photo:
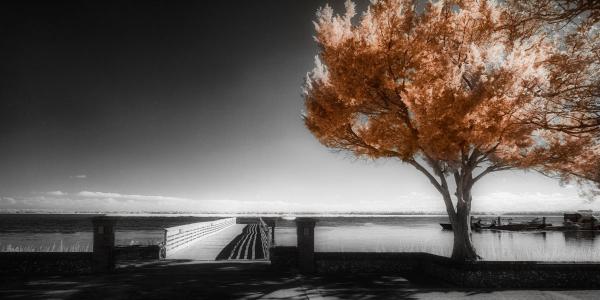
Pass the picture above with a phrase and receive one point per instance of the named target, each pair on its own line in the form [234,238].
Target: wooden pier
[208,248]
[219,240]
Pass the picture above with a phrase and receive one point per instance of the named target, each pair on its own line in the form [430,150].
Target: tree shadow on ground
[183,279]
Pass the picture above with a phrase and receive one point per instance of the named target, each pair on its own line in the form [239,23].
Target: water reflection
[575,236]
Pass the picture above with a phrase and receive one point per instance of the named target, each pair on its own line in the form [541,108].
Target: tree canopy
[572,94]
[449,90]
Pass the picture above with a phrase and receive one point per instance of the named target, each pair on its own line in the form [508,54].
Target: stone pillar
[305,231]
[103,258]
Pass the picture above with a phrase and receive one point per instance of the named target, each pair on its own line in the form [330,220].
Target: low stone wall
[500,274]
[284,258]
[25,263]
[137,252]
[366,262]
[432,268]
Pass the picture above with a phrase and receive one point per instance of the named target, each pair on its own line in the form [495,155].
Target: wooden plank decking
[209,247]
[246,246]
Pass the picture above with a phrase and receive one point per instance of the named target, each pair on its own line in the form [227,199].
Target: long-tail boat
[496,224]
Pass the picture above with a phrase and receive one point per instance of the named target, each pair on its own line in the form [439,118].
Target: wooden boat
[582,220]
[535,224]
[520,227]
[474,226]
[446,226]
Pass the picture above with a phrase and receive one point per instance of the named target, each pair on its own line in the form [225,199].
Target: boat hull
[509,227]
[448,226]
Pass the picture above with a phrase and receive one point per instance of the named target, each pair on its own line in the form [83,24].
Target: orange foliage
[448,86]
[572,92]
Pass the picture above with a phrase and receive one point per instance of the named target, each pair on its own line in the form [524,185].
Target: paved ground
[218,280]
[207,248]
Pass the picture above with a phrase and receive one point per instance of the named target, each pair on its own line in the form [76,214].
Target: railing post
[273,236]
[103,257]
[270,223]
[305,231]
[163,246]
[273,223]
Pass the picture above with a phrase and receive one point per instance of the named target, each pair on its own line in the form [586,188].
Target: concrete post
[103,258]
[305,231]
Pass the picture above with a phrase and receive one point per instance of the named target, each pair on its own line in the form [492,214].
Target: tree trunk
[463,245]
[463,249]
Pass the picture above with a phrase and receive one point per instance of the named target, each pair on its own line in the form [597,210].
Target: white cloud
[80,176]
[8,200]
[95,201]
[105,195]
[56,193]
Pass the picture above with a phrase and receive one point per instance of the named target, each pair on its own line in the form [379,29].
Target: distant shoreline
[282,214]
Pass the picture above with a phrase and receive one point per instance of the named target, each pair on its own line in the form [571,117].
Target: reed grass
[144,242]
[495,253]
[61,246]
[54,247]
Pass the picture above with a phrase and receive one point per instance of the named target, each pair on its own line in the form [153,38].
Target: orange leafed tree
[441,89]
[574,63]
[573,90]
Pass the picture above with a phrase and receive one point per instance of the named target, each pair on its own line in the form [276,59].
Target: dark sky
[194,101]
[92,87]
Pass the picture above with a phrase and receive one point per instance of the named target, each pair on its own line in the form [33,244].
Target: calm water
[424,234]
[73,232]
[356,234]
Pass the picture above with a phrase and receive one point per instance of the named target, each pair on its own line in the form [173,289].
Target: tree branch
[424,171]
[490,169]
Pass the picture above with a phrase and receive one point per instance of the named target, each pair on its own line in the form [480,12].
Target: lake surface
[347,234]
[73,232]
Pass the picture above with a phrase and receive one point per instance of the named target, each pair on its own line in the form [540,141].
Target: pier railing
[265,236]
[179,237]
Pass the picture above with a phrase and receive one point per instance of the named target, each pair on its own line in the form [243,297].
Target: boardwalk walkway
[209,247]
[247,245]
